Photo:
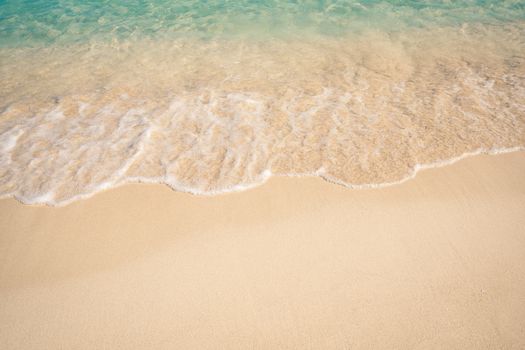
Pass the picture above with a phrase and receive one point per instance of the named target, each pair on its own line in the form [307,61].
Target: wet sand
[298,263]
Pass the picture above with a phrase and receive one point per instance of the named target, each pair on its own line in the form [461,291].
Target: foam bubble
[210,117]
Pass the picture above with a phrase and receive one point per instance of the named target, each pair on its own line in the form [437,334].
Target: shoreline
[267,175]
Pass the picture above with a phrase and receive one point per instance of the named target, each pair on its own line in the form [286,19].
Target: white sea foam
[48,198]
[213,117]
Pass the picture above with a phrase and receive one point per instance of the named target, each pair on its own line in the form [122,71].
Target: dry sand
[437,262]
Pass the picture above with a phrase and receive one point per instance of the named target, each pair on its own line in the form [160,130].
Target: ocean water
[216,96]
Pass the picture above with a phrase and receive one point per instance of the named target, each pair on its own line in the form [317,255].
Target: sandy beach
[262,174]
[298,263]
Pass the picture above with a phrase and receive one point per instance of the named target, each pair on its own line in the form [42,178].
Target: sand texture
[437,262]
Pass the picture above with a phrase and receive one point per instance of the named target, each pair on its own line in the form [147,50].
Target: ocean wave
[208,117]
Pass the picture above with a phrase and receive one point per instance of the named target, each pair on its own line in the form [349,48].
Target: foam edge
[46,200]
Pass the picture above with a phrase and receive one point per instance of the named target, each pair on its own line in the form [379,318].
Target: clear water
[214,96]
[33,22]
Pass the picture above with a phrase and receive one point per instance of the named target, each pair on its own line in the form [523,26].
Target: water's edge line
[266,176]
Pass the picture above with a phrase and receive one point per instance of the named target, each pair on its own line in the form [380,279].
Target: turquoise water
[32,22]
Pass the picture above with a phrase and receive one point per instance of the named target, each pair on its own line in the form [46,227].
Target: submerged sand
[436,262]
[212,116]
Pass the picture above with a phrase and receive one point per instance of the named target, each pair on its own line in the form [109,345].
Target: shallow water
[216,96]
